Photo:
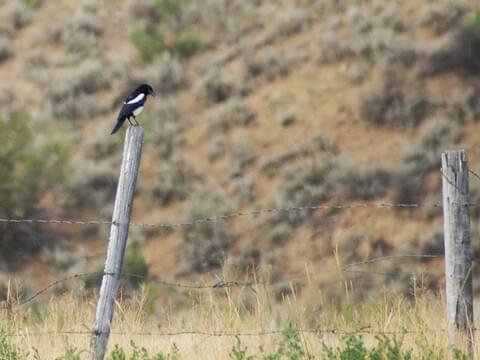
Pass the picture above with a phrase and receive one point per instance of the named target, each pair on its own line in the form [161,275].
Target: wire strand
[225,217]
[313,331]
[223,283]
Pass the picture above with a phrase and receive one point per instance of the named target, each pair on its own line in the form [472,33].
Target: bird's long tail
[117,126]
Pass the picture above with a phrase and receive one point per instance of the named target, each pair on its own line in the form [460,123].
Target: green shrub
[353,347]
[9,351]
[135,267]
[432,352]
[148,44]
[290,348]
[33,4]
[474,22]
[239,352]
[151,42]
[171,7]
[141,353]
[72,353]
[29,166]
[187,44]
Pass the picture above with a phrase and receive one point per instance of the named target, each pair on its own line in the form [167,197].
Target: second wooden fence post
[132,151]
[458,253]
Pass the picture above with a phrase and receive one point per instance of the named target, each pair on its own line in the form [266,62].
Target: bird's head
[145,89]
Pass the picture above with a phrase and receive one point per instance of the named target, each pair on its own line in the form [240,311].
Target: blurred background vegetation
[260,104]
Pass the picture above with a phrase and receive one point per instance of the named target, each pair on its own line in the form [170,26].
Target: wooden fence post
[117,242]
[458,253]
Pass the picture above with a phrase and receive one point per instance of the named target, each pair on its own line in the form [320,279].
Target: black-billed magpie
[133,105]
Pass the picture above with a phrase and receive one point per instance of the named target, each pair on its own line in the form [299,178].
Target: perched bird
[133,106]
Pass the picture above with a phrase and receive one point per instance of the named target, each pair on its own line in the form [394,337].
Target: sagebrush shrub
[460,52]
[216,86]
[394,102]
[234,113]
[5,48]
[443,16]
[267,62]
[14,15]
[79,34]
[433,139]
[205,244]
[70,94]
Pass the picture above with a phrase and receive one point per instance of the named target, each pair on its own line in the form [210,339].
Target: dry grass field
[239,323]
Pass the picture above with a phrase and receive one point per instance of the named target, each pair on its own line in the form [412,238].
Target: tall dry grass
[37,328]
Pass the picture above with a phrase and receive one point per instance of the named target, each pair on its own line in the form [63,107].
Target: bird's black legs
[134,119]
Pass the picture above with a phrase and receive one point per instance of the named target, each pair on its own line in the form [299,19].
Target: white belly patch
[137,110]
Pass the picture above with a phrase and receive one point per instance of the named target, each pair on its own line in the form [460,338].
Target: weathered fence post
[458,253]
[117,242]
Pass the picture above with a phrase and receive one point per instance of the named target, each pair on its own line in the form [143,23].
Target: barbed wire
[367,330]
[223,283]
[474,174]
[224,217]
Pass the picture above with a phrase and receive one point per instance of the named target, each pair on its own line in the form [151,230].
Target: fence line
[364,330]
[213,219]
[222,283]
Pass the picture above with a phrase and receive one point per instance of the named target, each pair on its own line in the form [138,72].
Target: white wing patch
[136,99]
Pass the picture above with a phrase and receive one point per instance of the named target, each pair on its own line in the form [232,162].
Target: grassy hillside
[260,105]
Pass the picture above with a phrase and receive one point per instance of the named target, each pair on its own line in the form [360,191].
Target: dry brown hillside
[260,104]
